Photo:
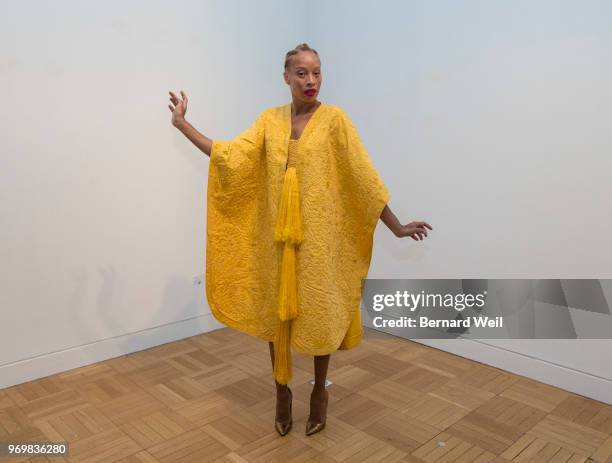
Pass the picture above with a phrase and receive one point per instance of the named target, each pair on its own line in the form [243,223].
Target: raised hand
[180,107]
[415,230]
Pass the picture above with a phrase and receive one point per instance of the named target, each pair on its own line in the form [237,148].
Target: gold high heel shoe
[284,428]
[312,427]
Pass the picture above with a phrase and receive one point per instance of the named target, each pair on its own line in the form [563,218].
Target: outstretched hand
[180,107]
[415,230]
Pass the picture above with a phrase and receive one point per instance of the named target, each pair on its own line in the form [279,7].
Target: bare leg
[318,408]
[282,393]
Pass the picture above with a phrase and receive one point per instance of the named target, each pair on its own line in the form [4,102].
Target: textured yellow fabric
[341,197]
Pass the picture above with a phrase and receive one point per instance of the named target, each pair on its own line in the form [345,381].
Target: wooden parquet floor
[211,398]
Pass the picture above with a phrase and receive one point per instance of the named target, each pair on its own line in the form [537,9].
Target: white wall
[103,201]
[493,122]
[490,120]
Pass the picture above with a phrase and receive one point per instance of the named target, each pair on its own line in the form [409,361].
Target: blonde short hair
[296,50]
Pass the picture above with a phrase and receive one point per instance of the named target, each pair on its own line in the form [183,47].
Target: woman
[292,206]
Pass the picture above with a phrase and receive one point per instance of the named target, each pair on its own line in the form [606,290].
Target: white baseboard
[579,382]
[56,362]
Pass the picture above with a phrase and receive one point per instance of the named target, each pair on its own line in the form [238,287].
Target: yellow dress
[289,232]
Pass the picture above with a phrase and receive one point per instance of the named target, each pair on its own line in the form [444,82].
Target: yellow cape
[341,197]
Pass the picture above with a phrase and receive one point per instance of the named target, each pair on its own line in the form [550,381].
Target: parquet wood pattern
[211,398]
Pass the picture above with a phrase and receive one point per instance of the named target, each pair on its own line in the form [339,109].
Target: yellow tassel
[289,223]
[288,230]
[287,293]
[282,354]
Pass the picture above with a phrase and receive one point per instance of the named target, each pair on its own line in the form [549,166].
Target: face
[304,76]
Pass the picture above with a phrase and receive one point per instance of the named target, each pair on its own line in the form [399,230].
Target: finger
[425,224]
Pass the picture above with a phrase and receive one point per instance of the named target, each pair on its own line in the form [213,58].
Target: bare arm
[415,230]
[201,141]
[178,120]
[389,219]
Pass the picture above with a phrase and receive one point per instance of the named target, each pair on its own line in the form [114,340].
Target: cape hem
[240,327]
[349,343]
